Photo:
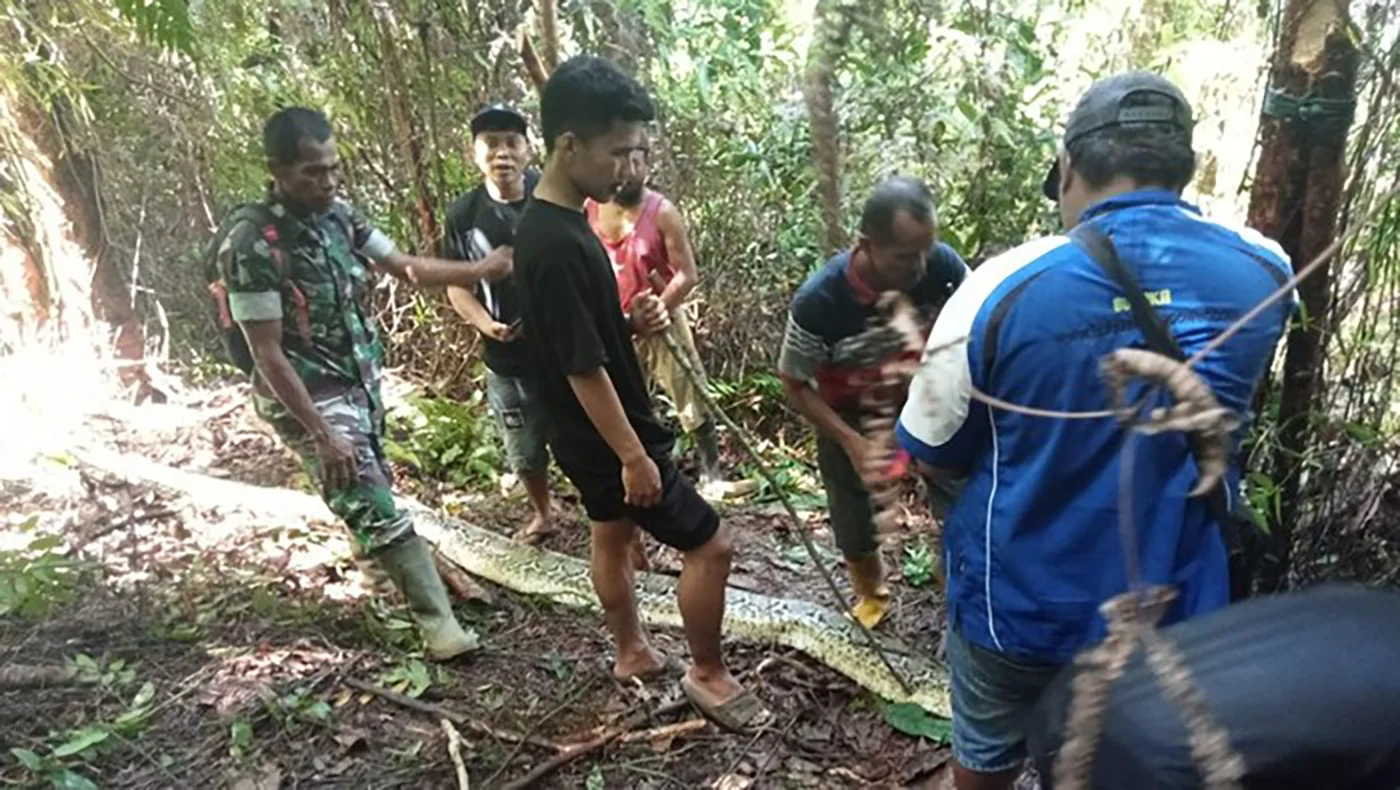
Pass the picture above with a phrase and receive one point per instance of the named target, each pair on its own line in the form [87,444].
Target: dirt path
[217,648]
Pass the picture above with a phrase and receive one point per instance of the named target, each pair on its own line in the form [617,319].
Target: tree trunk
[833,21]
[405,131]
[1296,199]
[549,34]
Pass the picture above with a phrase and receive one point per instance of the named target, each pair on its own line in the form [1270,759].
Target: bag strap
[1094,241]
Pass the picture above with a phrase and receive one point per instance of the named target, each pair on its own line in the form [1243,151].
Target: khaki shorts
[660,367]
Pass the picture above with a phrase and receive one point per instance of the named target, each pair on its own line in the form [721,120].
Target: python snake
[820,632]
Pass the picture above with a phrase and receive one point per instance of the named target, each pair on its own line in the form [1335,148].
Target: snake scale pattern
[818,631]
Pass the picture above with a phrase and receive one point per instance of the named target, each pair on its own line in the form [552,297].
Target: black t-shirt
[574,324]
[476,225]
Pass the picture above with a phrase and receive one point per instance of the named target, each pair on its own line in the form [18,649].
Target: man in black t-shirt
[482,223]
[602,429]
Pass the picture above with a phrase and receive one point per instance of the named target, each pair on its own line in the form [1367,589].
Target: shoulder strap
[1100,247]
[1094,241]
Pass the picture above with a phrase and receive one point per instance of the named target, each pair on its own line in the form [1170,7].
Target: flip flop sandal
[671,667]
[744,713]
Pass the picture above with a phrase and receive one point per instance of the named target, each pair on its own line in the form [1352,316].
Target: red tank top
[638,253]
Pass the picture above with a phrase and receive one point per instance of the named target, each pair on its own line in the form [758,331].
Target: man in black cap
[481,224]
[1032,543]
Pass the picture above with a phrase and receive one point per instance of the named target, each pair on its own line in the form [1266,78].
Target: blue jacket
[1032,544]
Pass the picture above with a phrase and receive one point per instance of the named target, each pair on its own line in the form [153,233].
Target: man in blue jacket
[1032,545]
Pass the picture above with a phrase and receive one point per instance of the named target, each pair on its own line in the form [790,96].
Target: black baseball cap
[1132,98]
[498,117]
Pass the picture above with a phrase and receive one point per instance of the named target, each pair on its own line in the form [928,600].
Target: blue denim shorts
[993,694]
[519,421]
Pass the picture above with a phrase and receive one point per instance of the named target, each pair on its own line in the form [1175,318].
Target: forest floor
[216,650]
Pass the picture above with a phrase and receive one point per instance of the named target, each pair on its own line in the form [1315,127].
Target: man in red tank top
[645,234]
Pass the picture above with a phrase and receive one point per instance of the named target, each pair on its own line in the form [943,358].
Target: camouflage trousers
[367,507]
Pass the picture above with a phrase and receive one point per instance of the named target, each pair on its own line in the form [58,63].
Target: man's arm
[641,480]
[420,270]
[474,312]
[426,272]
[336,452]
[802,355]
[678,251]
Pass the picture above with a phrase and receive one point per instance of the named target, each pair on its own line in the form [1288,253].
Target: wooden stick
[26,676]
[439,712]
[454,750]
[668,731]
[574,751]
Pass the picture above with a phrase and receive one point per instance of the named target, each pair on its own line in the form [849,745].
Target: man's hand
[498,264]
[498,331]
[641,482]
[338,467]
[861,451]
[649,314]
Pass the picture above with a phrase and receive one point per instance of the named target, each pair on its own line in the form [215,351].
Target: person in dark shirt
[481,224]
[824,369]
[602,429]
[1304,684]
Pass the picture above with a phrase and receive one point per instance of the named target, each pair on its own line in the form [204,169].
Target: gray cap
[1132,98]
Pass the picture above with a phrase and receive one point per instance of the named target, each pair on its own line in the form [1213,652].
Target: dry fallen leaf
[732,782]
[268,778]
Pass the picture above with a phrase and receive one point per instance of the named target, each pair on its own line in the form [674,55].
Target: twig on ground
[569,699]
[668,731]
[129,521]
[574,751]
[14,677]
[782,738]
[439,712]
[454,750]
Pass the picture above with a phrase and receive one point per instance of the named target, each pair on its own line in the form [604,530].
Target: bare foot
[539,528]
[642,663]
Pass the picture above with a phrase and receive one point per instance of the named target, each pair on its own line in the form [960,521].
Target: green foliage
[164,22]
[36,578]
[71,748]
[410,678]
[445,439]
[919,565]
[911,719]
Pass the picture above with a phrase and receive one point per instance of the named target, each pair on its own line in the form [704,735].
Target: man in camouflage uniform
[298,285]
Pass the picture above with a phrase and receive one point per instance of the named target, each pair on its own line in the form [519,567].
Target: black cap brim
[1051,186]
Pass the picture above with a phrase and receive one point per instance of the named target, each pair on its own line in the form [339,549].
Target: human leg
[993,695]
[684,521]
[848,505]
[382,532]
[519,422]
[614,581]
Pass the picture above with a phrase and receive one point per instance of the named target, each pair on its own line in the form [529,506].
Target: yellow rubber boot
[867,575]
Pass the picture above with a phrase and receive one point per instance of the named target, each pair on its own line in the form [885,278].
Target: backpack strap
[301,309]
[1094,241]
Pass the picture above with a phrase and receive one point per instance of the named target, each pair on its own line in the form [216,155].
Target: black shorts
[682,519]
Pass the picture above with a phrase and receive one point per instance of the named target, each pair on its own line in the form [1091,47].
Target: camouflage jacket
[323,280]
